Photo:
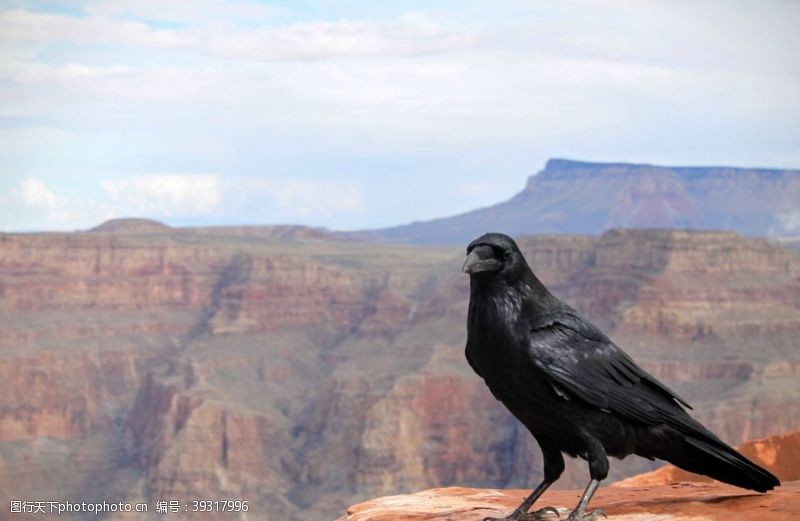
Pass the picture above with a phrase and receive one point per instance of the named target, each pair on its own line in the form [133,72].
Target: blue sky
[366,114]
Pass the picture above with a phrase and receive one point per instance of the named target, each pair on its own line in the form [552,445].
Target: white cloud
[187,198]
[414,74]
[30,138]
[35,194]
[186,11]
[306,40]
[305,198]
[344,38]
[19,25]
[31,204]
[164,195]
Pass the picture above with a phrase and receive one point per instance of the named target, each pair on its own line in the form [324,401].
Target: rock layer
[304,374]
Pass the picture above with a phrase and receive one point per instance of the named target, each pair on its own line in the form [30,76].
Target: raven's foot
[594,515]
[543,514]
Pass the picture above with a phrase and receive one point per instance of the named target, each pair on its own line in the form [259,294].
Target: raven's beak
[481,258]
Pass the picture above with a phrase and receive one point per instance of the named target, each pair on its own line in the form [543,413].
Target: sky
[353,115]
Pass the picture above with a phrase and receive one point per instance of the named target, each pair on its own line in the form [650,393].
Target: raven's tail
[713,458]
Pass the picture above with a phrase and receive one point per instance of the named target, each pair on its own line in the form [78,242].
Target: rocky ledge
[665,494]
[675,502]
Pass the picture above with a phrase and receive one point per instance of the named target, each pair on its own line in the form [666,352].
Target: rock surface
[667,493]
[677,502]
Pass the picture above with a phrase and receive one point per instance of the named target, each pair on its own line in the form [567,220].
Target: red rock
[678,502]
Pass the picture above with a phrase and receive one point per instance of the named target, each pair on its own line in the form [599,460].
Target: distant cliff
[573,197]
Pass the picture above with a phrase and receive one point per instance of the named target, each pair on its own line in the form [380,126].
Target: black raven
[573,388]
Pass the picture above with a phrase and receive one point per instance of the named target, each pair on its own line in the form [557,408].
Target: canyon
[304,372]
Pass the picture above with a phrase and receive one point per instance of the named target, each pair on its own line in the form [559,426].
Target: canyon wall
[304,373]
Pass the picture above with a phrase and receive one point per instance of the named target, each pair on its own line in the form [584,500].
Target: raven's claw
[591,516]
[543,514]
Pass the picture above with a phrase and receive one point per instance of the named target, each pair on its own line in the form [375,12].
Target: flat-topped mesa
[131,225]
[575,197]
[571,169]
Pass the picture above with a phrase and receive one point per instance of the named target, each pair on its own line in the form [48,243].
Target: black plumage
[573,388]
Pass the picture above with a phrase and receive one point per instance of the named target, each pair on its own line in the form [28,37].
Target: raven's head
[495,255]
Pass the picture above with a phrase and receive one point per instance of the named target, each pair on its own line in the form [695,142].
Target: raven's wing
[581,361]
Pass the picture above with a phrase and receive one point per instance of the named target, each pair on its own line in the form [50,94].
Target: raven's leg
[598,471]
[553,467]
